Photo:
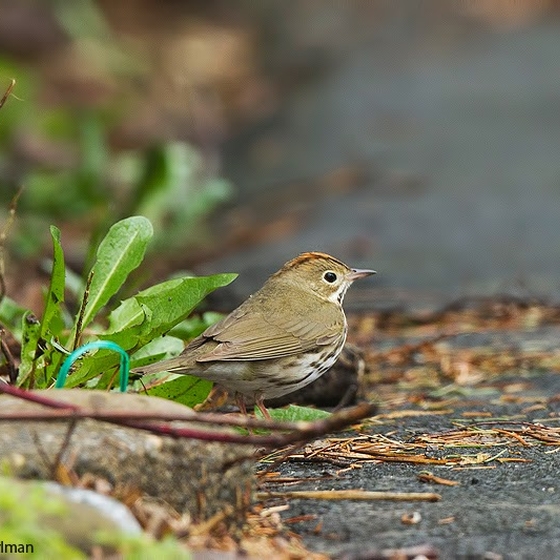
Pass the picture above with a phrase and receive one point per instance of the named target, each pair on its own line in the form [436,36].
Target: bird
[283,337]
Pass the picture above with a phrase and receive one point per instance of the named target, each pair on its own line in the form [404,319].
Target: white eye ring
[330,277]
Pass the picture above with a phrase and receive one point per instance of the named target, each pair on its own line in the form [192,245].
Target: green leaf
[55,295]
[185,389]
[81,21]
[161,308]
[145,317]
[131,337]
[295,413]
[53,316]
[31,334]
[172,301]
[157,178]
[119,253]
[193,326]
[128,314]
[159,349]
[91,365]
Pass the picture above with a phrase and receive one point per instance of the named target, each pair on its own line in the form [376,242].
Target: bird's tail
[173,365]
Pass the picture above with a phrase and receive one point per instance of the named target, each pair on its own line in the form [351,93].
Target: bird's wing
[254,336]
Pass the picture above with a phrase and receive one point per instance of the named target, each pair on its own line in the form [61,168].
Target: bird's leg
[240,400]
[259,401]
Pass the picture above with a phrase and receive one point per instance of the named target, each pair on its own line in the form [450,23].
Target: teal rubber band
[124,367]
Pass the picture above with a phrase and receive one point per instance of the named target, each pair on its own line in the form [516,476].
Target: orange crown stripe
[310,256]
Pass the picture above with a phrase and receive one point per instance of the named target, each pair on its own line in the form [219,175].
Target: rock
[114,511]
[57,516]
[193,476]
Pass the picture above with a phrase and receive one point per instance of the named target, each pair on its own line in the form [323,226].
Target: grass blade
[55,295]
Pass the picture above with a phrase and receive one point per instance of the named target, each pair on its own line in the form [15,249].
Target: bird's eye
[329,277]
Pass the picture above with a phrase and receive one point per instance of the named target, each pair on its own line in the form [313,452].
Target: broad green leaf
[91,365]
[295,413]
[131,338]
[102,362]
[193,326]
[81,20]
[128,314]
[53,315]
[119,253]
[161,307]
[159,349]
[185,389]
[55,295]
[31,334]
[172,301]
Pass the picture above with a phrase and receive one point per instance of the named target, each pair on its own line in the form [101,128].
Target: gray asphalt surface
[508,510]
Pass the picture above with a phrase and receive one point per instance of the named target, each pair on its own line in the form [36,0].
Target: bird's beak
[359,273]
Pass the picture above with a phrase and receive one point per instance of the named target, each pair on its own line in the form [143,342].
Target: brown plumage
[278,340]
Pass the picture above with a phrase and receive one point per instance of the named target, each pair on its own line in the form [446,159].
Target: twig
[95,414]
[34,397]
[2,280]
[300,431]
[12,369]
[352,495]
[8,92]
[82,311]
[281,458]
[430,477]
[207,526]
[4,235]
[187,415]
[513,435]
[408,553]
[305,430]
[67,437]
[40,449]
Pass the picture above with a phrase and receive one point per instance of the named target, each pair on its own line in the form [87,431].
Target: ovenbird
[280,339]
